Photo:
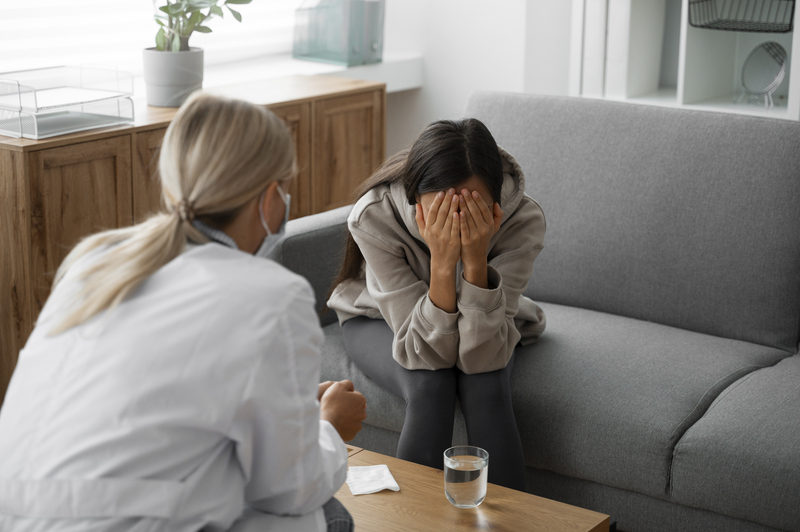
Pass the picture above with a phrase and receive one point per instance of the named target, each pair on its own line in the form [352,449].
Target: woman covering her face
[442,244]
[172,380]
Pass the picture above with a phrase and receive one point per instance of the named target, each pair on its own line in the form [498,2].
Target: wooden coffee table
[420,505]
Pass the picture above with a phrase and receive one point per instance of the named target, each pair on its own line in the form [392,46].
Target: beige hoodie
[481,335]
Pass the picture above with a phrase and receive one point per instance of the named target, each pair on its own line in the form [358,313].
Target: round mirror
[764,69]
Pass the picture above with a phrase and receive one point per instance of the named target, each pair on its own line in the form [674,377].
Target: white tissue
[363,480]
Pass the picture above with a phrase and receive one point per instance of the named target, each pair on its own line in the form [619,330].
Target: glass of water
[466,470]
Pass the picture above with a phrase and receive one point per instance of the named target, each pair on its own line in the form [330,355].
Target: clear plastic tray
[63,120]
[46,89]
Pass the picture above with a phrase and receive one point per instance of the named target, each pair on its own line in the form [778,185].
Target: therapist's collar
[214,234]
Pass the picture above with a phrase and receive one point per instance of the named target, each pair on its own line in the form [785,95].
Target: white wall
[547,46]
[469,45]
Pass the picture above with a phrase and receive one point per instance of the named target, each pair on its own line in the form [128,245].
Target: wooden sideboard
[55,191]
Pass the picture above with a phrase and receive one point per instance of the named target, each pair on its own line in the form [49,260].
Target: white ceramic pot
[172,76]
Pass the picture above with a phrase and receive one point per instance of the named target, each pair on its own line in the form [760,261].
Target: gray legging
[337,518]
[430,398]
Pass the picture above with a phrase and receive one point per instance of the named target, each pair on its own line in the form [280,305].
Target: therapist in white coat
[172,380]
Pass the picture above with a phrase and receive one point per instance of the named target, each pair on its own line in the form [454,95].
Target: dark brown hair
[446,154]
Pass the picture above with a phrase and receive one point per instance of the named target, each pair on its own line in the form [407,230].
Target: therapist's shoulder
[242,279]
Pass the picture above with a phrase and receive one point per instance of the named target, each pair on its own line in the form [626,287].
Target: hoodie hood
[510,194]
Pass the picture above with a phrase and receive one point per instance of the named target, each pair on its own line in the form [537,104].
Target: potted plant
[173,69]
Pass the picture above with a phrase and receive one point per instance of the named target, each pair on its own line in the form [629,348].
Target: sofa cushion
[743,457]
[668,215]
[314,248]
[606,398]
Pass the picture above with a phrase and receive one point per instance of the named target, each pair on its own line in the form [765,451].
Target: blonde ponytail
[218,155]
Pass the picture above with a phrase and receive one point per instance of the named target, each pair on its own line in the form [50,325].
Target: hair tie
[185,210]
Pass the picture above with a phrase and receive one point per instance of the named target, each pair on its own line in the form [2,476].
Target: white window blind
[42,33]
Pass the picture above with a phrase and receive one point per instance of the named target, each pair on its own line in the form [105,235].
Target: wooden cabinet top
[287,90]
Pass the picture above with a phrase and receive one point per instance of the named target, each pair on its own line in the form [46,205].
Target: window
[42,33]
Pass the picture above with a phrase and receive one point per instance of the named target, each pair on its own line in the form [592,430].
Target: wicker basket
[767,16]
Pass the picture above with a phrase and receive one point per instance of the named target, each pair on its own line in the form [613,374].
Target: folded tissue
[370,479]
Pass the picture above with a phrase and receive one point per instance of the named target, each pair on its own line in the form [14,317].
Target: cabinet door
[75,191]
[145,183]
[298,119]
[348,144]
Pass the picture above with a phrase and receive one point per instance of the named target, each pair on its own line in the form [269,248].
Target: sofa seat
[742,458]
[599,397]
[606,398]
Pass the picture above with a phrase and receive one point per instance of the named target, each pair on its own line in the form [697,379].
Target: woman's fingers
[453,197]
[433,211]
[447,206]
[470,211]
[498,216]
[453,209]
[420,219]
[483,210]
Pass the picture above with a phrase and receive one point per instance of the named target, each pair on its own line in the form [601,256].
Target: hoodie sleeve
[425,336]
[486,326]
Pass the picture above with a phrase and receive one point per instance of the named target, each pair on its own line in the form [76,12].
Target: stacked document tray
[42,103]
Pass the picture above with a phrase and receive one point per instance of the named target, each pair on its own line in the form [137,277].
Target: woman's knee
[485,388]
[424,386]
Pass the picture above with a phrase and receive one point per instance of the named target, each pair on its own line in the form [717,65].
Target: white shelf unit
[653,56]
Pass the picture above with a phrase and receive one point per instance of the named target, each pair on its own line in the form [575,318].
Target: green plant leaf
[176,9]
[203,29]
[176,43]
[237,1]
[161,40]
[236,14]
[165,9]
[216,10]
[196,18]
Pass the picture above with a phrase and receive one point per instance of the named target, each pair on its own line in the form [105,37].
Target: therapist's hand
[344,408]
[323,387]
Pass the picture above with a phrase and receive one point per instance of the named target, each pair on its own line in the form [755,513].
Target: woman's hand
[344,408]
[477,224]
[439,228]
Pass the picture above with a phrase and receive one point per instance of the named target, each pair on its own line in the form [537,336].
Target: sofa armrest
[314,248]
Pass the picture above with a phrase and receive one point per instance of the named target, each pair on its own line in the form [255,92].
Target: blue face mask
[272,239]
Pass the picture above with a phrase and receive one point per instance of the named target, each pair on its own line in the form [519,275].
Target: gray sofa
[666,389]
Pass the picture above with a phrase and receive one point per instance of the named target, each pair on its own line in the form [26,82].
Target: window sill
[400,71]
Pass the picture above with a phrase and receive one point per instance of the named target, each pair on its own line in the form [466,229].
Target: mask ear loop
[261,212]
[261,207]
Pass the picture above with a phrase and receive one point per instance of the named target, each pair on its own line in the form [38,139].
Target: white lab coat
[190,406]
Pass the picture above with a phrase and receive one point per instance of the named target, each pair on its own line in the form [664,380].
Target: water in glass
[465,478]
